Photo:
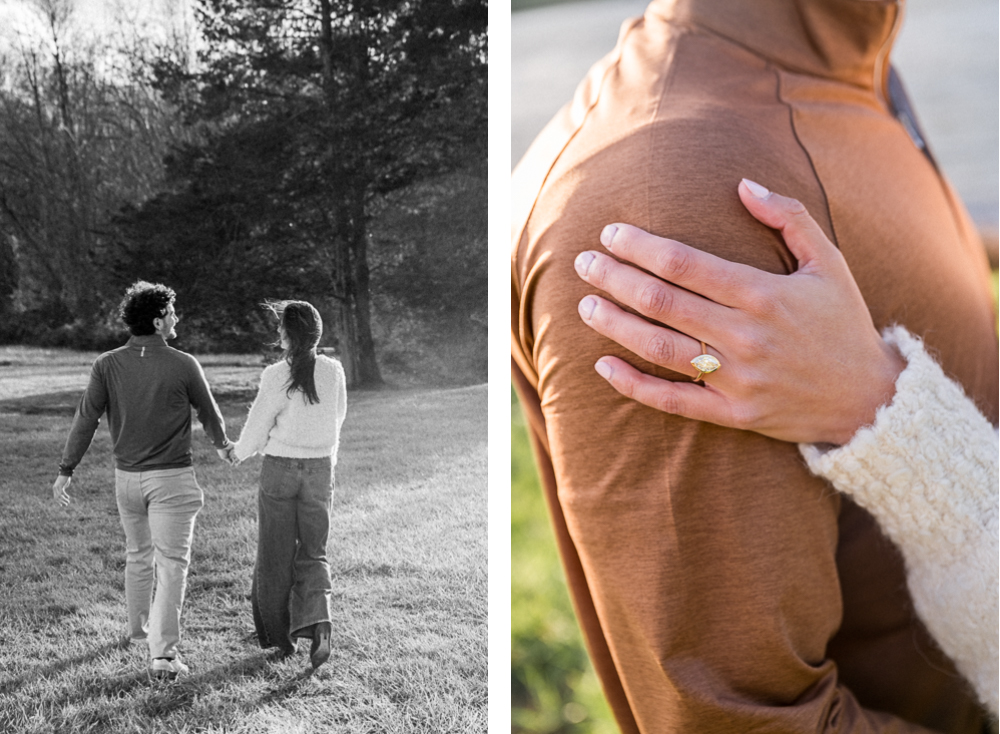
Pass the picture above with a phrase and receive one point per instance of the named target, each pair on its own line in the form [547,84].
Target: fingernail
[587,306]
[608,234]
[756,189]
[603,369]
[582,263]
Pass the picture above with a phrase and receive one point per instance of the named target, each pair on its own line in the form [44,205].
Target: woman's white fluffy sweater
[927,471]
[280,424]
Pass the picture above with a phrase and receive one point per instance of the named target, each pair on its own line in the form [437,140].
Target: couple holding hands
[147,390]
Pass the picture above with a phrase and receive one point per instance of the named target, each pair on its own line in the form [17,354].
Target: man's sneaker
[167,668]
[320,651]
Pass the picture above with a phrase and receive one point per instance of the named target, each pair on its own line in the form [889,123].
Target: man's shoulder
[111,353]
[182,360]
[109,356]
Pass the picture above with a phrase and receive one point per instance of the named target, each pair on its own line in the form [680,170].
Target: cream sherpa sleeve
[926,469]
[260,420]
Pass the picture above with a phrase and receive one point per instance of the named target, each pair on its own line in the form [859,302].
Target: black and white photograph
[243,366]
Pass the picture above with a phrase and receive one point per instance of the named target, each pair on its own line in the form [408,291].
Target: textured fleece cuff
[926,469]
[929,440]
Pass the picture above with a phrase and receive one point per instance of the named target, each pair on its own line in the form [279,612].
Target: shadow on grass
[163,697]
[47,671]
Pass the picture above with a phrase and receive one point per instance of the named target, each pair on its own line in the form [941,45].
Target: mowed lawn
[407,550]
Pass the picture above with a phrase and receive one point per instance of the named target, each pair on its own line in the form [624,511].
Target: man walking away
[147,389]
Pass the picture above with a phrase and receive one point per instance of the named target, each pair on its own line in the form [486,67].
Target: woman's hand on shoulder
[800,357]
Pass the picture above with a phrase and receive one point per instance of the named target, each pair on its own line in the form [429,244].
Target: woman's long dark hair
[303,326]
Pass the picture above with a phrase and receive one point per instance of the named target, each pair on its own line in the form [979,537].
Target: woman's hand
[801,359]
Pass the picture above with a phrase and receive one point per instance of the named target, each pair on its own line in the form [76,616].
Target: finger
[678,308]
[655,344]
[720,280]
[803,236]
[677,398]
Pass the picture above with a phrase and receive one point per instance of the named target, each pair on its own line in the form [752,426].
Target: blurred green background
[553,686]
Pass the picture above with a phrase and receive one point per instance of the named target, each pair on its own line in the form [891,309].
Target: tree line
[317,149]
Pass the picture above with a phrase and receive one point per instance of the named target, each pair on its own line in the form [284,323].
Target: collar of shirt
[152,340]
[844,40]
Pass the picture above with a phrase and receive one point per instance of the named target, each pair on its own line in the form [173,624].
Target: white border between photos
[499,368]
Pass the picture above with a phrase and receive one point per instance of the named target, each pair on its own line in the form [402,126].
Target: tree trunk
[368,372]
[358,345]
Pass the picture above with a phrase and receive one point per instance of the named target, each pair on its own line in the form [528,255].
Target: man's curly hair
[142,303]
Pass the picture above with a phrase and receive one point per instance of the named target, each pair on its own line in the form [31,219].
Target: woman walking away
[295,423]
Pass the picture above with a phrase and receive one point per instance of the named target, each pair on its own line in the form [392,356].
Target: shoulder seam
[805,151]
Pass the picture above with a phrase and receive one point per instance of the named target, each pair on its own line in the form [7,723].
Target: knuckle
[668,402]
[752,349]
[660,350]
[796,212]
[795,208]
[672,262]
[654,299]
[760,300]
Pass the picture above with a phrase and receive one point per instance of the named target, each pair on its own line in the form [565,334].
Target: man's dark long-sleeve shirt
[147,389]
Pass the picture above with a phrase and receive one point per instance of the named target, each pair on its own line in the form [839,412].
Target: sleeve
[266,406]
[341,392]
[91,407]
[927,470]
[713,575]
[208,411]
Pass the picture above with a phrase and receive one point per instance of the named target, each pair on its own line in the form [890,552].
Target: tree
[371,96]
[221,234]
[80,135]
[429,261]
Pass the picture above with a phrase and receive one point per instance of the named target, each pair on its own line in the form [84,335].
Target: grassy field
[408,559]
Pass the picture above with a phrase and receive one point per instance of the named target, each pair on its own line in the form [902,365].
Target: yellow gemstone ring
[705,363]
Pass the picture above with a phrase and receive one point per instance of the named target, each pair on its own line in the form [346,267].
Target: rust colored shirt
[721,587]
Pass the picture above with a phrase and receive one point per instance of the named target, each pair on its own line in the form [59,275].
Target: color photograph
[753,270]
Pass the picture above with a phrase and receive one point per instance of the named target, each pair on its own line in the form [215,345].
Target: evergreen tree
[365,97]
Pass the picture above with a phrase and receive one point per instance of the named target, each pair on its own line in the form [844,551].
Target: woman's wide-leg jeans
[291,582]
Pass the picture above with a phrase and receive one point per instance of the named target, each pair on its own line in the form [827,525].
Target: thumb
[807,242]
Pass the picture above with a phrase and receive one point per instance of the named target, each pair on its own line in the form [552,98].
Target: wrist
[876,390]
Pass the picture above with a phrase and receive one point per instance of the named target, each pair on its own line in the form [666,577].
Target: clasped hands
[228,454]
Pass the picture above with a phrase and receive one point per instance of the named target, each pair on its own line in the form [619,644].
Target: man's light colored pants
[157,510]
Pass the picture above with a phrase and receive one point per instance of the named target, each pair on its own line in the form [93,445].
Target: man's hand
[228,453]
[59,488]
